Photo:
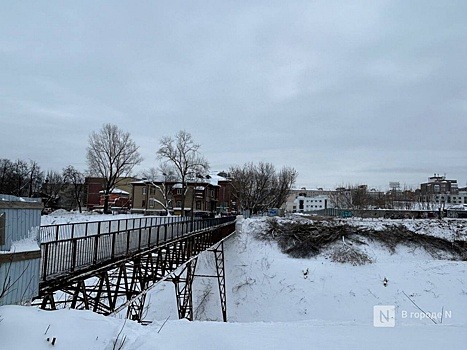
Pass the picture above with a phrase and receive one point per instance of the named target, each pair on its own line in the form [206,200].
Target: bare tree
[34,178]
[20,175]
[285,179]
[169,172]
[259,187]
[243,185]
[20,178]
[151,174]
[6,176]
[359,196]
[52,188]
[111,154]
[341,198]
[182,154]
[76,179]
[158,180]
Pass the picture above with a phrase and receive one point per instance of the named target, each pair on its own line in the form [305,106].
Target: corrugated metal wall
[19,281]
[19,271]
[19,223]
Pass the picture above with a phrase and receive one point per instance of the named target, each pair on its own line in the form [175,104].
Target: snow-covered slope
[275,302]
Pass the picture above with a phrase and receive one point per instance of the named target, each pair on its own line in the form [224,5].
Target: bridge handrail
[77,253]
[56,232]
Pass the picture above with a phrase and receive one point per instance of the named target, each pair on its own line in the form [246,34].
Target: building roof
[117,191]
[11,198]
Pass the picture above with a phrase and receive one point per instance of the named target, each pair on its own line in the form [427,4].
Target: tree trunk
[106,203]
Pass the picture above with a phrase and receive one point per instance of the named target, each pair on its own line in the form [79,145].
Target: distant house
[227,202]
[202,196]
[307,200]
[442,192]
[94,186]
[302,203]
[117,198]
[149,197]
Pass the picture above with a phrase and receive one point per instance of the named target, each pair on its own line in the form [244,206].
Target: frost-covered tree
[111,154]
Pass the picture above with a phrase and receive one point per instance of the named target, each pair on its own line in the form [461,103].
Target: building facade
[205,197]
[94,185]
[442,193]
[305,200]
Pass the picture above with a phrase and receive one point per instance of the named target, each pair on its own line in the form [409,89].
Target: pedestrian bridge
[106,266]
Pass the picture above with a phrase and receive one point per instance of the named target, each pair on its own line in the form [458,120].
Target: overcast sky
[345,92]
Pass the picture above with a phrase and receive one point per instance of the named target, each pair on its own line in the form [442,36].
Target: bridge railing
[57,232]
[77,253]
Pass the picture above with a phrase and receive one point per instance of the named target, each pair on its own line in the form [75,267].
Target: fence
[57,232]
[111,241]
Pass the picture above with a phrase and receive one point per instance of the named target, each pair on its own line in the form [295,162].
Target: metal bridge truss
[123,284]
[184,280]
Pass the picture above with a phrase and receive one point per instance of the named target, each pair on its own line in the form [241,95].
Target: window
[2,228]
[198,205]
[144,191]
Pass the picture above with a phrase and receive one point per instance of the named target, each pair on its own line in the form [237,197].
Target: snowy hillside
[277,302]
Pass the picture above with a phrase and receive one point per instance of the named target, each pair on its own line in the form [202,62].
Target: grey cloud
[367,91]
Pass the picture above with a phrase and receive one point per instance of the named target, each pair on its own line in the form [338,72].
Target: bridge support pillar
[184,291]
[220,269]
[183,286]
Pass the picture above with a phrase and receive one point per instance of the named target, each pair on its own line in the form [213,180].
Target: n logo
[384,315]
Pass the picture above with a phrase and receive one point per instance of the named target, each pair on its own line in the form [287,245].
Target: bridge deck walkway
[71,249]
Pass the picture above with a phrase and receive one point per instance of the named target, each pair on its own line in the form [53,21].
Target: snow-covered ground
[276,302]
[445,228]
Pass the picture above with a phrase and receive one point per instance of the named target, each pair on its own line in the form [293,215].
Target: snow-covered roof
[458,207]
[117,191]
[138,182]
[215,178]
[11,198]
[212,179]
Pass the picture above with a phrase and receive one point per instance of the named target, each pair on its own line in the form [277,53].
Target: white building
[453,199]
[308,200]
[300,203]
